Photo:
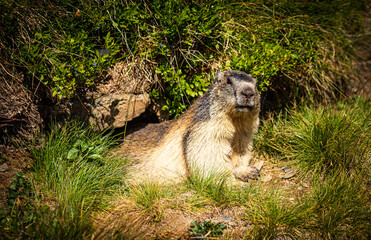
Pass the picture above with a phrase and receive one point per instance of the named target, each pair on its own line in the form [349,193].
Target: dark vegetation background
[302,52]
[296,49]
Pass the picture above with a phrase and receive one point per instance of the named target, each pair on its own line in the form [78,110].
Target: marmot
[214,134]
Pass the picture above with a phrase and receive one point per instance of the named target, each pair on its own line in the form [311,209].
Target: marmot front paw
[245,173]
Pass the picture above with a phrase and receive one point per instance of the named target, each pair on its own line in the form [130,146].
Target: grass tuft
[74,172]
[321,140]
[148,194]
[271,214]
[148,197]
[210,184]
[340,208]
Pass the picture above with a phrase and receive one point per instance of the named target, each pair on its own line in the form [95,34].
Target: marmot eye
[229,81]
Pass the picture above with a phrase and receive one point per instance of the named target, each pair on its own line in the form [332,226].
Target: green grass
[76,180]
[148,196]
[271,214]
[321,139]
[329,146]
[73,173]
[334,208]
[340,208]
[210,184]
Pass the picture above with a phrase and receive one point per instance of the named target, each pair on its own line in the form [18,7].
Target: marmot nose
[247,93]
[246,98]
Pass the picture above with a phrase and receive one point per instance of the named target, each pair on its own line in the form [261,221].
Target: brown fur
[215,134]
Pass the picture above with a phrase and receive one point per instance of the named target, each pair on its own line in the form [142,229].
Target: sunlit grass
[271,214]
[74,176]
[321,139]
[211,184]
[74,172]
[339,207]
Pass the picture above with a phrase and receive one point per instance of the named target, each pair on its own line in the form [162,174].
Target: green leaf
[73,154]
[38,36]
[95,156]
[13,186]
[78,143]
[84,147]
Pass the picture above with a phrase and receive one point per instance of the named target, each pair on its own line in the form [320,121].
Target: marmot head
[237,92]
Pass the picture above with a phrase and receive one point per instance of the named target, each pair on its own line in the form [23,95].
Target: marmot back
[215,134]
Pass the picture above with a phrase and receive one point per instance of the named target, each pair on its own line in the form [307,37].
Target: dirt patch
[129,221]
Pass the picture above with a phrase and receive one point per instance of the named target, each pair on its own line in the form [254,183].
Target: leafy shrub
[291,46]
[74,63]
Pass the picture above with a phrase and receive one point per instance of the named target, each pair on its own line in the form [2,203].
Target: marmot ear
[219,76]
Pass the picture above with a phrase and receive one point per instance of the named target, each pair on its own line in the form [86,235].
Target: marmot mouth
[244,108]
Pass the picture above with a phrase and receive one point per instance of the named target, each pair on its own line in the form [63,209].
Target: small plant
[17,214]
[206,229]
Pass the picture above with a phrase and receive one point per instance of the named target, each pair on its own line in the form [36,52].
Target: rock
[120,98]
[112,110]
[288,175]
[232,224]
[116,109]
[132,76]
[226,218]
[267,178]
[259,165]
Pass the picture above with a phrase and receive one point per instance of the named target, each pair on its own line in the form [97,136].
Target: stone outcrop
[121,98]
[116,109]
